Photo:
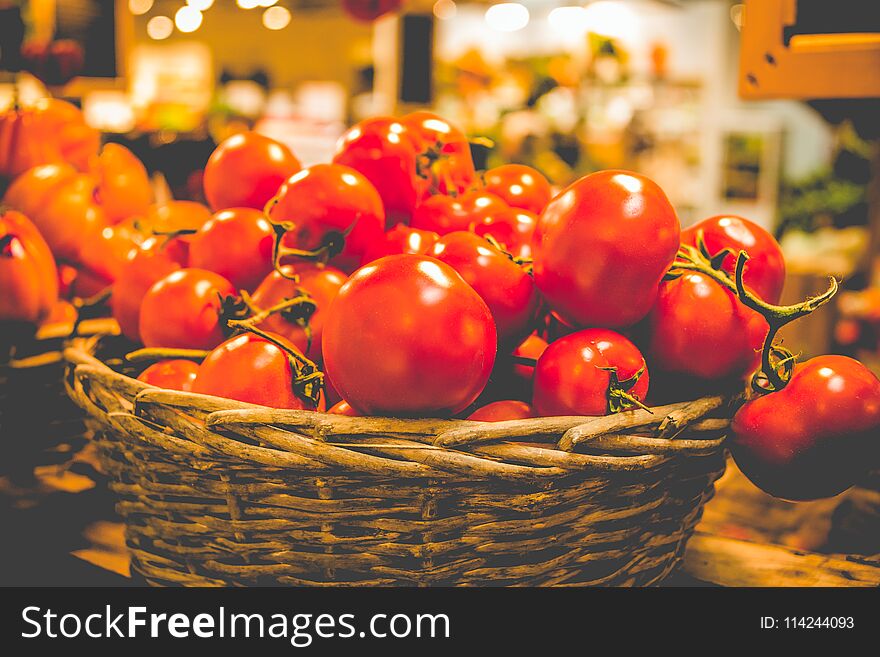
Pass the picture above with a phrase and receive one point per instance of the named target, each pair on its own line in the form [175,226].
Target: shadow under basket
[217,492]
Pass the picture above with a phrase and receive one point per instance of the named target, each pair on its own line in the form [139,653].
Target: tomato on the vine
[520,186]
[444,150]
[512,228]
[246,170]
[402,239]
[602,246]
[123,189]
[407,336]
[172,374]
[184,310]
[236,243]
[445,214]
[331,207]
[815,437]
[28,276]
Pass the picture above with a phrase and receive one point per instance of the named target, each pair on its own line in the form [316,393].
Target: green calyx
[619,396]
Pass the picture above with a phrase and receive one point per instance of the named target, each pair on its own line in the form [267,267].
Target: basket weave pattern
[217,492]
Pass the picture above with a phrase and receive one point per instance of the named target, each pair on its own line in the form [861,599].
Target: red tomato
[251,369]
[183,310]
[765,274]
[519,186]
[424,343]
[402,239]
[814,438]
[506,288]
[175,374]
[572,376]
[700,329]
[28,276]
[532,347]
[123,188]
[319,282]
[151,261]
[512,228]
[343,408]
[105,251]
[602,246]
[237,244]
[331,202]
[445,214]
[499,411]
[382,150]
[176,216]
[450,165]
[246,170]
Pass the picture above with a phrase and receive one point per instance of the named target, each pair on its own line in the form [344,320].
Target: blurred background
[671,88]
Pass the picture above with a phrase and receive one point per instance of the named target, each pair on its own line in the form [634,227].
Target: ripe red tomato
[174,374]
[343,408]
[506,288]
[382,150]
[237,244]
[499,411]
[123,189]
[700,329]
[320,283]
[765,274]
[183,310]
[246,170]
[532,347]
[424,343]
[105,251]
[520,186]
[814,438]
[572,376]
[151,261]
[602,246]
[445,214]
[28,276]
[402,239]
[331,202]
[450,165]
[175,216]
[251,369]
[512,228]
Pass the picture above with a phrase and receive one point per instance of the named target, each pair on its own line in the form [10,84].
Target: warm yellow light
[200,5]
[445,9]
[140,7]
[568,20]
[266,3]
[188,19]
[247,4]
[276,18]
[160,27]
[507,17]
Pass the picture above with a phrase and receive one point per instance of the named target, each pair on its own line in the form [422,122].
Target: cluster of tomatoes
[397,280]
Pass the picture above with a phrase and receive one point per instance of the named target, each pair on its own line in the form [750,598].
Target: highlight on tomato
[520,186]
[171,374]
[28,276]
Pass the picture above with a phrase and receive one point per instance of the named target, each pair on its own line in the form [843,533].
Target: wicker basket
[217,492]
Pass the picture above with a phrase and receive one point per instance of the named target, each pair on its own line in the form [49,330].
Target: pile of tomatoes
[397,280]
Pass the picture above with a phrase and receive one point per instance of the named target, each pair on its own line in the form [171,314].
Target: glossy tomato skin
[402,239]
[251,369]
[502,410]
[246,170]
[765,272]
[182,310]
[520,186]
[446,214]
[406,336]
[512,228]
[106,249]
[172,374]
[814,438]
[453,171]
[383,151]
[699,329]
[602,246]
[570,379]
[176,216]
[123,189]
[154,259]
[342,408]
[506,287]
[329,200]
[237,244]
[320,282]
[28,276]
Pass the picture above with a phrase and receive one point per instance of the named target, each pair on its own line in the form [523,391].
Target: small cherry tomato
[123,188]
[817,436]
[591,372]
[28,276]
[402,239]
[175,216]
[237,244]
[424,343]
[446,214]
[499,411]
[251,369]
[444,151]
[512,228]
[106,249]
[183,310]
[317,282]
[246,170]
[519,186]
[331,203]
[174,374]
[765,274]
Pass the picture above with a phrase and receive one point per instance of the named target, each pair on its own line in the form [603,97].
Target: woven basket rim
[631,440]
